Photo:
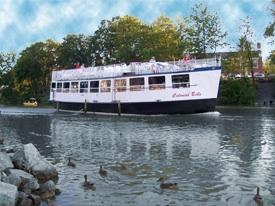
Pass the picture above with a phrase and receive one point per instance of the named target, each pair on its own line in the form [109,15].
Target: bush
[236,92]
[9,96]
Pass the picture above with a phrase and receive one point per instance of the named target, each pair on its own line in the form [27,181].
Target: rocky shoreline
[26,178]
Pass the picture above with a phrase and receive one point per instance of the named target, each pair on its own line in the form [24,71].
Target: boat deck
[134,68]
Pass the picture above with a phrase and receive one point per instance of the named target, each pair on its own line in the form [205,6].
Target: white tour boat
[180,87]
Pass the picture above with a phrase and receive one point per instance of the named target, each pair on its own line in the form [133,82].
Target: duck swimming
[87,184]
[102,172]
[71,163]
[167,185]
[258,199]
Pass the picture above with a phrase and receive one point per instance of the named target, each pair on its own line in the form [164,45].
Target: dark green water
[216,158]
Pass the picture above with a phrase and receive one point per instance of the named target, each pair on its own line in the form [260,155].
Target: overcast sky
[23,22]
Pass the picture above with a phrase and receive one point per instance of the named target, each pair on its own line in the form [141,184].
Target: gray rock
[21,178]
[8,194]
[29,159]
[47,190]
[28,199]
[1,140]
[37,199]
[10,155]
[12,179]
[26,202]
[8,149]
[5,161]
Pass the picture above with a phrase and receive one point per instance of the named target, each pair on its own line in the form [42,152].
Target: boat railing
[135,68]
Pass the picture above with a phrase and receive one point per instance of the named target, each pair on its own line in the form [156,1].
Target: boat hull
[147,108]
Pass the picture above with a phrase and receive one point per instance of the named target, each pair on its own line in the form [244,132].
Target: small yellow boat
[30,103]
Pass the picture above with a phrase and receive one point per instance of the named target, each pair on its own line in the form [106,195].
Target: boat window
[120,85]
[74,87]
[157,82]
[94,86]
[66,87]
[105,85]
[59,87]
[137,84]
[180,81]
[53,85]
[84,87]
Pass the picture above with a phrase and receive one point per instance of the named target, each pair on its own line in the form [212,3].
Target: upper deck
[135,68]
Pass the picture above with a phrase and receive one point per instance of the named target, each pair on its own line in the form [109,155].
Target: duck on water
[167,185]
[87,184]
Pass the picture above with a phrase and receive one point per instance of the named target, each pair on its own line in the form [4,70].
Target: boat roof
[133,69]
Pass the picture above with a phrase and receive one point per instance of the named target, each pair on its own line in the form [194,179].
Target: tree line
[120,39]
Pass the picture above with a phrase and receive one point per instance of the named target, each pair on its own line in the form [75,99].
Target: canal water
[216,158]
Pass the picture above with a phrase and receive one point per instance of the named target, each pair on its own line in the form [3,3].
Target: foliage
[129,35]
[231,65]
[127,39]
[7,61]
[236,92]
[270,29]
[269,66]
[203,32]
[246,50]
[75,49]
[105,43]
[271,57]
[32,70]
[8,93]
[165,39]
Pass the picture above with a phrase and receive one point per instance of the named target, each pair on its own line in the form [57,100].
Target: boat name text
[186,94]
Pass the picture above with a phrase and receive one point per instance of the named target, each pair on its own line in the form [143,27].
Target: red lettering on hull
[175,95]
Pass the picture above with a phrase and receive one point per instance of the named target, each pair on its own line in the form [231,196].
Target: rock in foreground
[29,159]
[21,178]
[5,161]
[8,194]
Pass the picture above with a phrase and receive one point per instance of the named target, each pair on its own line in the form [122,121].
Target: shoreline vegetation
[125,39]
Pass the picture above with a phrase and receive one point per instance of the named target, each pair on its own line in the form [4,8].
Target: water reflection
[216,158]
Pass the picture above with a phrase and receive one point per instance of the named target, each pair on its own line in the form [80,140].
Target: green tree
[246,51]
[127,39]
[129,36]
[33,68]
[269,65]
[104,39]
[7,61]
[203,32]
[75,49]
[231,65]
[271,57]
[270,29]
[165,41]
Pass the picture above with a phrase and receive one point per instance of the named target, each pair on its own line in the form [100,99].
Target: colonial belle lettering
[180,95]
[194,93]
